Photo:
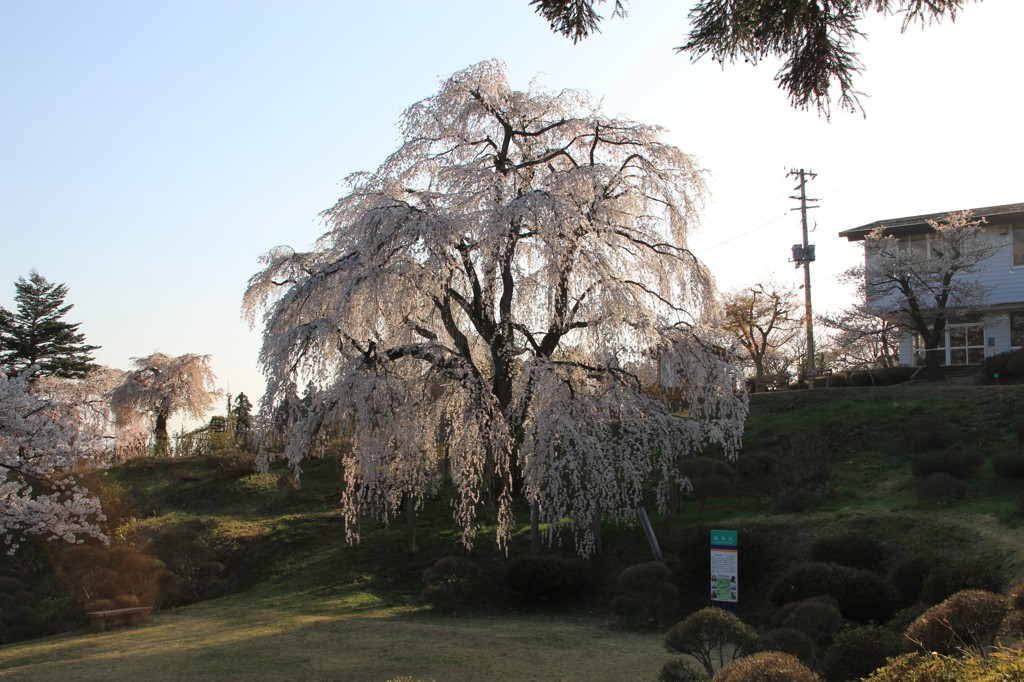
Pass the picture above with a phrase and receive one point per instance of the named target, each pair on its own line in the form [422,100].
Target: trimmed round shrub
[790,641]
[927,667]
[947,578]
[839,380]
[908,575]
[710,635]
[546,578]
[858,652]
[861,378]
[955,463]
[452,582]
[193,572]
[1015,597]
[862,595]
[983,435]
[855,549]
[9,585]
[1009,465]
[817,620]
[942,486]
[1009,366]
[887,376]
[647,595]
[678,670]
[967,620]
[796,500]
[904,617]
[1014,622]
[767,666]
[784,611]
[927,432]
[92,574]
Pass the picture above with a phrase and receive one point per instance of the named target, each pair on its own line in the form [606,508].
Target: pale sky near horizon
[151,151]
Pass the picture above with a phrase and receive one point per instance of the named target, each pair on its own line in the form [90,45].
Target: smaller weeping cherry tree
[161,386]
[42,445]
[507,301]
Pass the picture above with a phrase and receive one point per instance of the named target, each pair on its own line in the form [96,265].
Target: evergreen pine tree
[243,416]
[37,334]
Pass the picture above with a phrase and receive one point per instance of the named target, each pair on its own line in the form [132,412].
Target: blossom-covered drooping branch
[41,446]
[506,301]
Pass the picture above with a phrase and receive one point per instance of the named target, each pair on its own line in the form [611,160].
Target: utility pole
[803,254]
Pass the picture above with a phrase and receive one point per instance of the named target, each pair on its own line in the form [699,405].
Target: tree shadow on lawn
[350,637]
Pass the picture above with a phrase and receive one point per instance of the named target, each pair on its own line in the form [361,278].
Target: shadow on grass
[346,636]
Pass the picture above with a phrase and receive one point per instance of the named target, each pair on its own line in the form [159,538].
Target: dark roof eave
[919,223]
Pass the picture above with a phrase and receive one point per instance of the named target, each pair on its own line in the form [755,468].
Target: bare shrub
[767,666]
[967,620]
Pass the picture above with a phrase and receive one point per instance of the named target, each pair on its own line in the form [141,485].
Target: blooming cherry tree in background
[160,387]
[505,301]
[41,445]
[923,284]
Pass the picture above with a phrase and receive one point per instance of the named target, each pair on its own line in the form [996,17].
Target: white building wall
[999,273]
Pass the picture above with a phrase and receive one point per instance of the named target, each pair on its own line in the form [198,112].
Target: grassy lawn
[352,636]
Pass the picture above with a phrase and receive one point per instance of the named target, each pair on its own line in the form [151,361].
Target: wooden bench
[129,615]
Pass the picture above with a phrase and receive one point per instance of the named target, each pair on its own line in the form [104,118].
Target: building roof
[994,215]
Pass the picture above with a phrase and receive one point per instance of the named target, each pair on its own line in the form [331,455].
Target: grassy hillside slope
[301,604]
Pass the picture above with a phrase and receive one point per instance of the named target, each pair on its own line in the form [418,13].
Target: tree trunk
[595,529]
[160,433]
[410,524]
[932,353]
[932,365]
[534,529]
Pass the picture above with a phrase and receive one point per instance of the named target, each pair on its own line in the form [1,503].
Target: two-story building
[996,327]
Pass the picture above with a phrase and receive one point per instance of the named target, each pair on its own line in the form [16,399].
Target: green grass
[309,606]
[351,635]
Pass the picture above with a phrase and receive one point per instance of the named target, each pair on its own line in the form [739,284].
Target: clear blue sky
[151,151]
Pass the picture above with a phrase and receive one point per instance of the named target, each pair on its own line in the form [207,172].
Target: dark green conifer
[37,334]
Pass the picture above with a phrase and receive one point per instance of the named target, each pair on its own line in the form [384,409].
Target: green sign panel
[724,538]
[725,585]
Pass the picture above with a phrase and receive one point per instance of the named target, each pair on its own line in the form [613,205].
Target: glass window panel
[975,336]
[1017,328]
[958,356]
[957,336]
[975,356]
[1018,245]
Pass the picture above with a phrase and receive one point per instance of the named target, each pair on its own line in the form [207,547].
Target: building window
[916,247]
[966,344]
[1018,245]
[1017,329]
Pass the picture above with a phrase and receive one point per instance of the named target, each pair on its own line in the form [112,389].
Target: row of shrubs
[863,580]
[943,475]
[456,583]
[886,376]
[45,594]
[966,625]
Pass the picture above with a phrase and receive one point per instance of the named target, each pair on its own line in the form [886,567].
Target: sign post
[725,586]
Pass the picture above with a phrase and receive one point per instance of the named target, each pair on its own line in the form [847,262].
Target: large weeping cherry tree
[506,302]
